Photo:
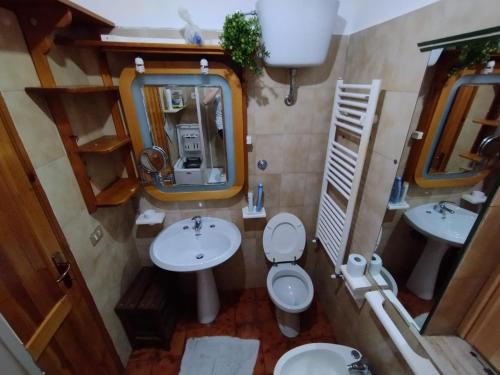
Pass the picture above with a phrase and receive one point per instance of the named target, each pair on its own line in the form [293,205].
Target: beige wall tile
[17,70]
[293,188]
[270,148]
[395,117]
[267,110]
[35,127]
[374,197]
[59,183]
[317,152]
[272,188]
[296,152]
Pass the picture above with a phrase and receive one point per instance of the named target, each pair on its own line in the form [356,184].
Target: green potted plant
[475,53]
[241,39]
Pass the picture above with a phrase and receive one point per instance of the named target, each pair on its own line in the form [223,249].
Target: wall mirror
[427,246]
[186,129]
[460,123]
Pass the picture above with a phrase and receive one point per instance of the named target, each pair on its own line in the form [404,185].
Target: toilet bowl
[317,359]
[289,286]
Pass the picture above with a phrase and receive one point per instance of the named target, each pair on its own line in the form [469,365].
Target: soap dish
[254,214]
[398,206]
[150,217]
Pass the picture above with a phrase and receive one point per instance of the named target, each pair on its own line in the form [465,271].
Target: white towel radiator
[352,119]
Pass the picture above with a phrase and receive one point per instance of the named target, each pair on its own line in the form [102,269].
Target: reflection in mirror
[458,146]
[188,123]
[424,238]
[153,160]
[460,110]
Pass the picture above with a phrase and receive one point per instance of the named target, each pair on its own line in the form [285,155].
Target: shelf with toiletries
[256,211]
[397,200]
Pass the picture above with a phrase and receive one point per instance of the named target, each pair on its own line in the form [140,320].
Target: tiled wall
[108,267]
[389,51]
[293,141]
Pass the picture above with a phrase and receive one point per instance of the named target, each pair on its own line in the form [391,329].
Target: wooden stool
[148,310]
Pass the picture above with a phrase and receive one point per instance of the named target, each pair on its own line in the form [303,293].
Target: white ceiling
[353,15]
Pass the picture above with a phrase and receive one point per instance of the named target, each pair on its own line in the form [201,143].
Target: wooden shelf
[118,192]
[471,156]
[80,14]
[486,122]
[134,47]
[104,145]
[70,90]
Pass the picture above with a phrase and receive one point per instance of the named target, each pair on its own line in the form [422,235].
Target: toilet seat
[290,287]
[284,238]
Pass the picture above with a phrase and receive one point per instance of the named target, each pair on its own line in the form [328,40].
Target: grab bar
[418,364]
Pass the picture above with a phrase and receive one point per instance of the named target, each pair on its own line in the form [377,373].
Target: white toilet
[288,285]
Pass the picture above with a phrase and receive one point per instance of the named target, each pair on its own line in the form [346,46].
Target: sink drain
[200,256]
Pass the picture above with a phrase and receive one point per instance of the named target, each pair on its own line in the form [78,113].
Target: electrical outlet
[96,235]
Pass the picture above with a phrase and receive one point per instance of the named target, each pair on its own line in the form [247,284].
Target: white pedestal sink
[181,248]
[442,230]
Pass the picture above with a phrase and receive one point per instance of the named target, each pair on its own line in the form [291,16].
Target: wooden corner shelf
[104,145]
[118,192]
[486,122]
[136,47]
[470,156]
[70,90]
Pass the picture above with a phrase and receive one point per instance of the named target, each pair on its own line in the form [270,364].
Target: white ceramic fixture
[318,359]
[296,34]
[444,228]
[288,285]
[197,245]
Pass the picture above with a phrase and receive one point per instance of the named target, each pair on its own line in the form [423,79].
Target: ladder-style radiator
[352,119]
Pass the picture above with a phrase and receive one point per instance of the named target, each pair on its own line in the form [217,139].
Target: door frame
[76,274]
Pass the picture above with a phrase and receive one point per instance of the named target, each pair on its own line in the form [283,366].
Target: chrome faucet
[358,367]
[197,223]
[442,209]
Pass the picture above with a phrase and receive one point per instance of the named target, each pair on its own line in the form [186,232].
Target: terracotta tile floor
[412,303]
[245,314]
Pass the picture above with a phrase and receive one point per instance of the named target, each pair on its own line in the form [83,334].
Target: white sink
[452,228]
[443,229]
[181,248]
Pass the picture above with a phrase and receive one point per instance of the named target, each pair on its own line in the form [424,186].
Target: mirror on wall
[467,129]
[452,172]
[186,129]
[187,124]
[459,122]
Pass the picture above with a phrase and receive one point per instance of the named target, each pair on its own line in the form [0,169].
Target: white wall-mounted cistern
[296,35]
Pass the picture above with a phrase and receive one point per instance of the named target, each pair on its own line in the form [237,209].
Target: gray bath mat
[219,355]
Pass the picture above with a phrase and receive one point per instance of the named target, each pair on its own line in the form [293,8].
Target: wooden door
[54,316]
[481,326]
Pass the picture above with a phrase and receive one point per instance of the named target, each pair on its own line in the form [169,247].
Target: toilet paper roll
[356,265]
[375,264]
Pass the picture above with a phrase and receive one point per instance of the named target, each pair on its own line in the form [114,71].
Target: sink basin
[181,248]
[442,230]
[451,228]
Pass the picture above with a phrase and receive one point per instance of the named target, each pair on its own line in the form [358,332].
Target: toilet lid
[284,238]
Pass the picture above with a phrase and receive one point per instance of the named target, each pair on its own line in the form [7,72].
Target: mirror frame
[128,76]
[421,176]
